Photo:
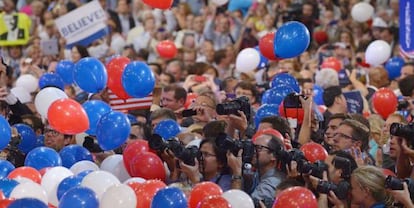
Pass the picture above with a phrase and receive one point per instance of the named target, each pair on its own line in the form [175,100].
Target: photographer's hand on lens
[335,201]
[238,122]
[287,142]
[191,171]
[235,162]
[292,169]
[402,196]
[406,150]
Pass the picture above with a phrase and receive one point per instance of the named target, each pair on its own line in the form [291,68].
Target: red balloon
[314,152]
[333,63]
[166,49]
[44,170]
[267,47]
[6,202]
[26,172]
[296,113]
[384,102]
[160,4]
[202,191]
[296,197]
[68,117]
[115,68]
[132,149]
[147,165]
[270,131]
[147,191]
[388,172]
[214,202]
[2,195]
[191,97]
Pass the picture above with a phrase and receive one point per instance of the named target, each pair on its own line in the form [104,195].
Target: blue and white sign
[407,27]
[354,102]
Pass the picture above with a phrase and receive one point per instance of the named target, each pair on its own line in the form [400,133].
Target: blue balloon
[67,184]
[42,157]
[291,39]
[51,80]
[65,70]
[170,197]
[40,141]
[132,119]
[318,95]
[263,60]
[5,168]
[242,5]
[79,197]
[112,130]
[276,95]
[393,66]
[265,111]
[74,153]
[7,186]
[167,129]
[27,203]
[28,137]
[90,75]
[84,173]
[95,109]
[5,132]
[138,79]
[286,79]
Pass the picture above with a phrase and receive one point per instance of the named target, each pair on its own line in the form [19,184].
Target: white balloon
[119,196]
[82,166]
[362,11]
[135,180]
[28,82]
[22,94]
[29,190]
[99,181]
[46,97]
[220,2]
[115,165]
[238,199]
[378,52]
[51,181]
[247,60]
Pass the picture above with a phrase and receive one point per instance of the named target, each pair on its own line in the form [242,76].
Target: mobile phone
[28,61]
[200,79]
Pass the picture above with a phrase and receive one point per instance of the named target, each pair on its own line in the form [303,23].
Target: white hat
[379,22]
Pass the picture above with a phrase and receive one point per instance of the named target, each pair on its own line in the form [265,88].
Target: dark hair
[37,122]
[179,92]
[170,76]
[213,128]
[83,51]
[163,113]
[221,155]
[330,94]
[278,123]
[158,66]
[143,53]
[290,182]
[341,116]
[219,55]
[245,85]
[406,85]
[225,82]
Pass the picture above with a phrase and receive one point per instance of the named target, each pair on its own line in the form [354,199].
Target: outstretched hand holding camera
[191,171]
[402,196]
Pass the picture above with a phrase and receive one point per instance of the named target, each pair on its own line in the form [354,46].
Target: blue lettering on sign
[82,23]
[406,27]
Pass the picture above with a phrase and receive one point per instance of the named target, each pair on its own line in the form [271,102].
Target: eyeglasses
[51,132]
[260,148]
[344,136]
[206,154]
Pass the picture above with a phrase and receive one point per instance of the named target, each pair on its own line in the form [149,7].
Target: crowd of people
[220,108]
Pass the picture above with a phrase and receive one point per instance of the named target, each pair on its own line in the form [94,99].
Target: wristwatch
[236,177]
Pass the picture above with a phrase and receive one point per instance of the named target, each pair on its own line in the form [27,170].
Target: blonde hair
[376,123]
[372,179]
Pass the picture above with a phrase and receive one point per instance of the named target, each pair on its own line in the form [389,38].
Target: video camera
[232,107]
[226,143]
[402,130]
[395,183]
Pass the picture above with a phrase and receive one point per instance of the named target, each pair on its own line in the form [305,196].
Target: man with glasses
[55,139]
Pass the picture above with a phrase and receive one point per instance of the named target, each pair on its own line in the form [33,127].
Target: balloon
[191,97]
[29,190]
[5,132]
[220,2]
[133,181]
[318,95]
[119,195]
[214,202]
[393,67]
[7,186]
[115,165]
[270,131]
[22,94]
[84,173]
[171,197]
[276,95]
[289,198]
[2,195]
[138,79]
[377,52]
[388,172]
[99,181]
[51,181]
[46,97]
[83,166]
[286,79]
[265,110]
[134,148]
[235,5]
[247,60]
[42,157]
[28,82]
[25,173]
[80,197]
[167,129]
[112,130]
[5,168]
[362,11]
[314,152]
[6,202]
[147,191]
[40,141]
[95,109]
[202,191]
[166,49]
[28,137]
[263,60]
[27,203]
[65,70]
[115,68]
[238,198]
[51,80]
[384,102]
[74,153]
[67,116]
[291,39]
[332,63]
[266,46]
[66,184]
[147,165]
[90,75]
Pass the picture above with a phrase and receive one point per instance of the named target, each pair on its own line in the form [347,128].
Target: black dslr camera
[344,164]
[231,107]
[12,153]
[187,155]
[341,190]
[395,183]
[304,166]
[226,143]
[401,130]
[292,100]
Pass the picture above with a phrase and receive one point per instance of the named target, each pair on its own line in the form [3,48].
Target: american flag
[130,103]
[406,54]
